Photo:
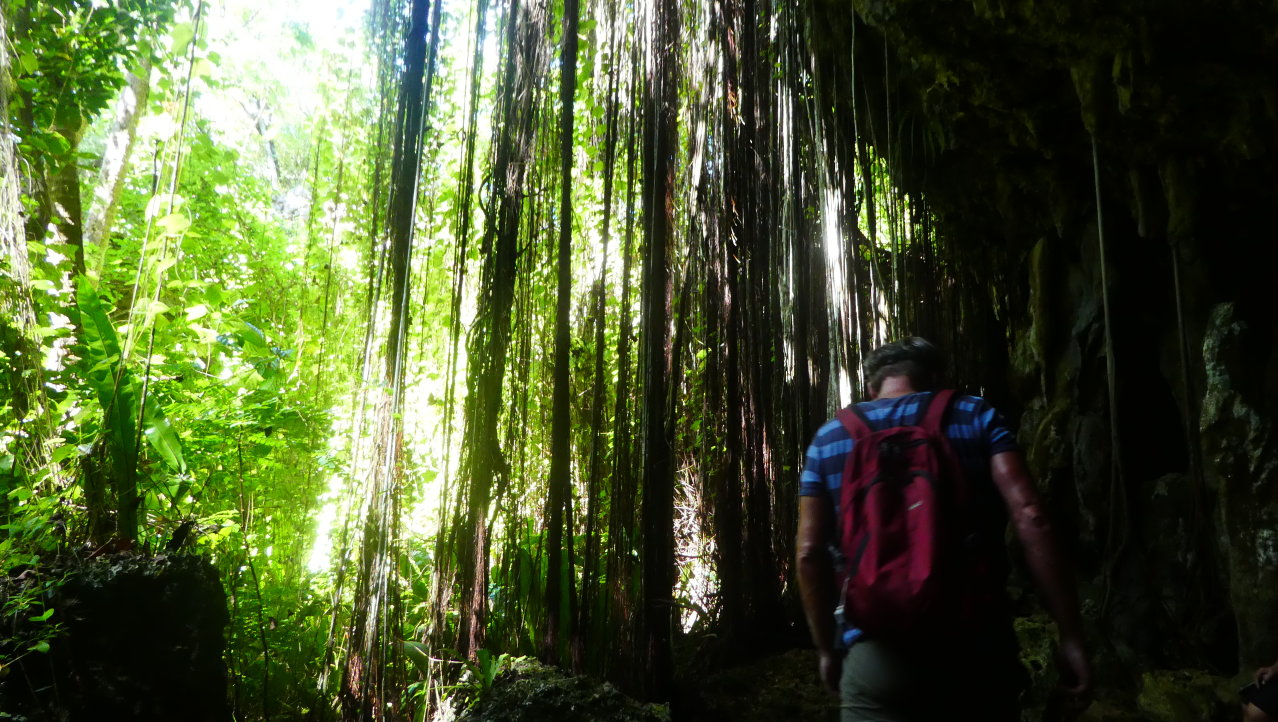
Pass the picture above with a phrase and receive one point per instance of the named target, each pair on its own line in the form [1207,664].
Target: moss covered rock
[1187,696]
[532,692]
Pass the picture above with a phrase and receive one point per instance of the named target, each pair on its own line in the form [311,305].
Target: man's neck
[894,386]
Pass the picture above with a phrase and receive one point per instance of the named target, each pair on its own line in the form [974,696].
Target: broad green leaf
[43,617]
[252,337]
[162,436]
[181,37]
[163,203]
[173,224]
[197,311]
[213,294]
[202,68]
[63,452]
[111,380]
[42,646]
[155,308]
[50,143]
[206,335]
[418,654]
[164,265]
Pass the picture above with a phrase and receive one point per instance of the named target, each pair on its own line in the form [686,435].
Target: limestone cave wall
[1017,120]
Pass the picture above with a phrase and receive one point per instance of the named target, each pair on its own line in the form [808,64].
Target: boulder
[138,638]
[528,691]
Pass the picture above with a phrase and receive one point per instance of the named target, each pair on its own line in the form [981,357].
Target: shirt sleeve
[823,463]
[998,435]
[811,482]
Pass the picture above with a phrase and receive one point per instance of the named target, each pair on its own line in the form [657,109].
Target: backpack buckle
[840,615]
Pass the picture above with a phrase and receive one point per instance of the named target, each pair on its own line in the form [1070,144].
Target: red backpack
[902,525]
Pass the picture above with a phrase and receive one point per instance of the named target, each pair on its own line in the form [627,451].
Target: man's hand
[1076,673]
[1264,674]
[831,670]
[1047,564]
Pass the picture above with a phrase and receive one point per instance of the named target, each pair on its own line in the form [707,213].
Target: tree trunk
[661,114]
[558,487]
[590,565]
[64,197]
[23,372]
[483,460]
[129,109]
[621,516]
[372,669]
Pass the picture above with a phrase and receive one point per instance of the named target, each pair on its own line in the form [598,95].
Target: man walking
[923,628]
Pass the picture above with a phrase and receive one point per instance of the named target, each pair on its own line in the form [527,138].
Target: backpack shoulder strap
[936,409]
[853,419]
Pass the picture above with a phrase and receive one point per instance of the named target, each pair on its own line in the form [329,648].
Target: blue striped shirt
[975,429]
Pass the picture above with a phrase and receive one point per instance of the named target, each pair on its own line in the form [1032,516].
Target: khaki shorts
[977,681]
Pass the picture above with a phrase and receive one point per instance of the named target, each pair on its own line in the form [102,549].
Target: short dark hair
[913,357]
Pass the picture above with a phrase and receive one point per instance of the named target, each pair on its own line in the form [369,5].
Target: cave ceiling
[989,109]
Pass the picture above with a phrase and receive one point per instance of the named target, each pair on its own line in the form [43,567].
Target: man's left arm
[816,582]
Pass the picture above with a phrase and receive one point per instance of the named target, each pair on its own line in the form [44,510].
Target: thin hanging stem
[1117,489]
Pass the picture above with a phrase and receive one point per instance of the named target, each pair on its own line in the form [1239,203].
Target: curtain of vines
[667,231]
[372,672]
[667,260]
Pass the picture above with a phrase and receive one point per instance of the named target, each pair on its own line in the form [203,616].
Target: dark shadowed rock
[782,687]
[141,639]
[1240,452]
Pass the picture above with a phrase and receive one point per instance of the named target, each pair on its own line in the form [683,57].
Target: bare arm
[816,581]
[816,570]
[1044,558]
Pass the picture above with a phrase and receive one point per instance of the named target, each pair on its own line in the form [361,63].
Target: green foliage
[70,56]
[238,325]
[486,667]
[118,391]
[209,308]
[24,589]
[121,397]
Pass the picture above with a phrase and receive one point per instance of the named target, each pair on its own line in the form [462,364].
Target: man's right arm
[1044,559]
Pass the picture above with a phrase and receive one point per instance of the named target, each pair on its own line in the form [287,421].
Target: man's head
[912,357]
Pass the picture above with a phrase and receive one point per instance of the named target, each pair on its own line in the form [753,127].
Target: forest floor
[141,637]
[784,686]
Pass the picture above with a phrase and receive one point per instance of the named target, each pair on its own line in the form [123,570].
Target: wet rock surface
[140,639]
